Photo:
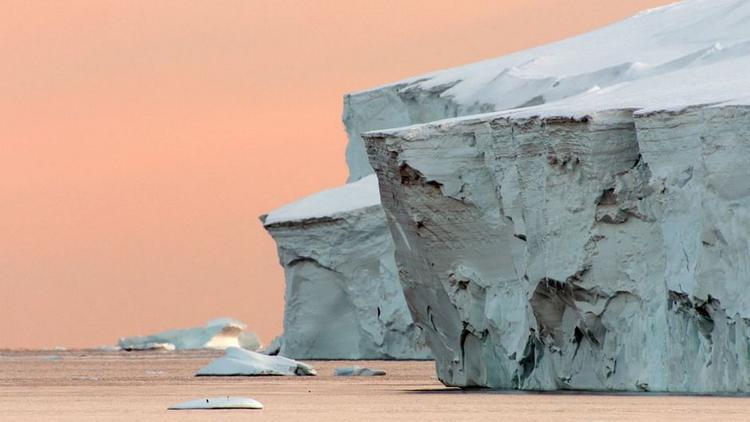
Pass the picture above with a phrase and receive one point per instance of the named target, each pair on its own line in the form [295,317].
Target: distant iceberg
[237,361]
[217,334]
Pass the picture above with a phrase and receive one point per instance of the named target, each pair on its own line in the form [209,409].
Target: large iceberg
[594,231]
[216,334]
[343,298]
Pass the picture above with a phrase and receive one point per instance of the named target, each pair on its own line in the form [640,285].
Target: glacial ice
[219,403]
[689,34]
[573,216]
[217,334]
[594,239]
[343,299]
[237,361]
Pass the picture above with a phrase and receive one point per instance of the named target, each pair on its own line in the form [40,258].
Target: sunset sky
[141,140]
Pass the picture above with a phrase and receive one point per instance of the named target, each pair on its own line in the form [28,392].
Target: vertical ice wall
[343,299]
[608,251]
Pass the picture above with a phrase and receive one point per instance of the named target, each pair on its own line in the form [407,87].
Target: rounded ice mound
[216,334]
[358,371]
[219,403]
[249,341]
[237,361]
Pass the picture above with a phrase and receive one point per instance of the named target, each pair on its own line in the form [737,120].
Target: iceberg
[237,361]
[343,299]
[578,218]
[217,334]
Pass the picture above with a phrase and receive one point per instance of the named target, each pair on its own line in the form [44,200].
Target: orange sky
[140,140]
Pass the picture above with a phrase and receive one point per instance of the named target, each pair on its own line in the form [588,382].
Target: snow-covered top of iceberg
[690,34]
[360,194]
[726,83]
[216,334]
[238,361]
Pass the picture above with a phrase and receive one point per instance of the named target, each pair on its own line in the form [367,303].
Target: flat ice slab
[360,194]
[358,371]
[219,403]
[237,361]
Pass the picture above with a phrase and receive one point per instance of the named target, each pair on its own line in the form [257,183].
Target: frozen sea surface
[87,386]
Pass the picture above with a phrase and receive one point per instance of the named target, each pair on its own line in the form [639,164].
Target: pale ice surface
[219,403]
[238,361]
[683,35]
[360,194]
[358,371]
[639,62]
[722,83]
[216,334]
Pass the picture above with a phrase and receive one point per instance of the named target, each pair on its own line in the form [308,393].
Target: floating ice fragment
[219,403]
[238,361]
[358,371]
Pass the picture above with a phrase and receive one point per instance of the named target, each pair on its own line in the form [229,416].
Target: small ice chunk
[249,341]
[219,403]
[358,371]
[274,348]
[238,361]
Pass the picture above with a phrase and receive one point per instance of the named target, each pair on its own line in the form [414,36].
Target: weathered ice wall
[343,299]
[605,251]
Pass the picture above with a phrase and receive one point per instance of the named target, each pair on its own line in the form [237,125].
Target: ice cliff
[594,231]
[343,299]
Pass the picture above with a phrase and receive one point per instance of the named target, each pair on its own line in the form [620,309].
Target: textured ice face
[591,232]
[238,361]
[343,299]
[605,252]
